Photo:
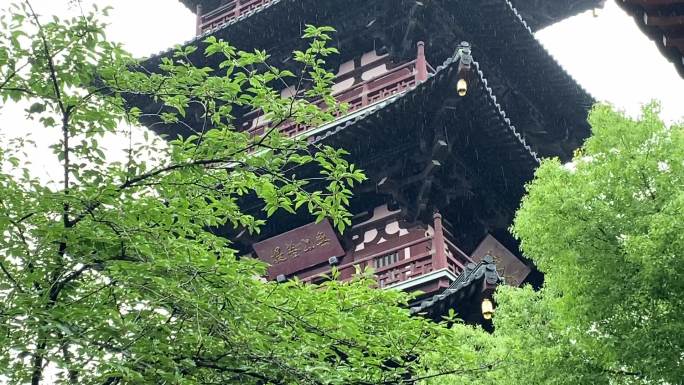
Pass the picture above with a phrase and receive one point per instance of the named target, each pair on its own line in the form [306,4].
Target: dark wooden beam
[440,151]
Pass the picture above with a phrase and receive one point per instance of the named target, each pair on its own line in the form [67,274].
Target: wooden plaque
[299,249]
[507,264]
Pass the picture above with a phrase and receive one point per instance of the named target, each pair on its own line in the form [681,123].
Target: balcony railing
[224,14]
[360,95]
[437,253]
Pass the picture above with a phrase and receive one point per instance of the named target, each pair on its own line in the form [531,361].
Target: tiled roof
[545,101]
[467,287]
[509,137]
[374,135]
[508,42]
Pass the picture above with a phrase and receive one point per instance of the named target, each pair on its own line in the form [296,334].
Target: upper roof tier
[537,13]
[545,102]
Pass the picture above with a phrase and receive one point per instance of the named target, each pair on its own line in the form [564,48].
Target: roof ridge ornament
[463,48]
[465,59]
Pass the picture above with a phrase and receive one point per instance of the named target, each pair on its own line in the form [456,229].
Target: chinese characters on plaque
[295,249]
[299,249]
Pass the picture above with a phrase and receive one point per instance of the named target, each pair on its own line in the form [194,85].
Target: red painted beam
[652,3]
[671,42]
[663,21]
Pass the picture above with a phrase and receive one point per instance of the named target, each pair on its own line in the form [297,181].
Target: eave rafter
[663,22]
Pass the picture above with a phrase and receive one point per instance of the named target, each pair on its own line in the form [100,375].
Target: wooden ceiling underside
[663,22]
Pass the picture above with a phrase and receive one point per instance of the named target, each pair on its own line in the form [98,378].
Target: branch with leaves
[110,275]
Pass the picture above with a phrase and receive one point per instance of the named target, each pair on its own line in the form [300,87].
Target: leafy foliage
[607,231]
[113,276]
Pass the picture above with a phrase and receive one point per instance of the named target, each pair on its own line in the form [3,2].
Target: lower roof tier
[420,258]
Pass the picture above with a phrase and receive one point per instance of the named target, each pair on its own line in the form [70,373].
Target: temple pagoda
[452,104]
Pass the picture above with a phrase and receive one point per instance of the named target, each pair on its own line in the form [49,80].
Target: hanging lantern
[462,87]
[487,309]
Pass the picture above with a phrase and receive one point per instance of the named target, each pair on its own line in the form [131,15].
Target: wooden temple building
[452,104]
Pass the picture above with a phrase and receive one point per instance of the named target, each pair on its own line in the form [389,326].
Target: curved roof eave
[326,131]
[484,273]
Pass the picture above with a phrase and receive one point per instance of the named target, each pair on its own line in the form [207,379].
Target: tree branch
[10,277]
[48,58]
[210,365]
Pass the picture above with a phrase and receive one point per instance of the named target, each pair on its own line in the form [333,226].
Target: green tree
[607,230]
[111,276]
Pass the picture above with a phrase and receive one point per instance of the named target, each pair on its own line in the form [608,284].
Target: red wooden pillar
[364,95]
[439,259]
[198,12]
[238,8]
[421,64]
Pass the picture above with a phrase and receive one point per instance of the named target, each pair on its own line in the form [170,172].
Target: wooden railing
[224,14]
[358,96]
[437,253]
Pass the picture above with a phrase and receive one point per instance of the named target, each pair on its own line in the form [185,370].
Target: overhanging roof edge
[529,30]
[334,127]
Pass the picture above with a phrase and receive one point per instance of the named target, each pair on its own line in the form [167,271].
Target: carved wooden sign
[507,264]
[299,249]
